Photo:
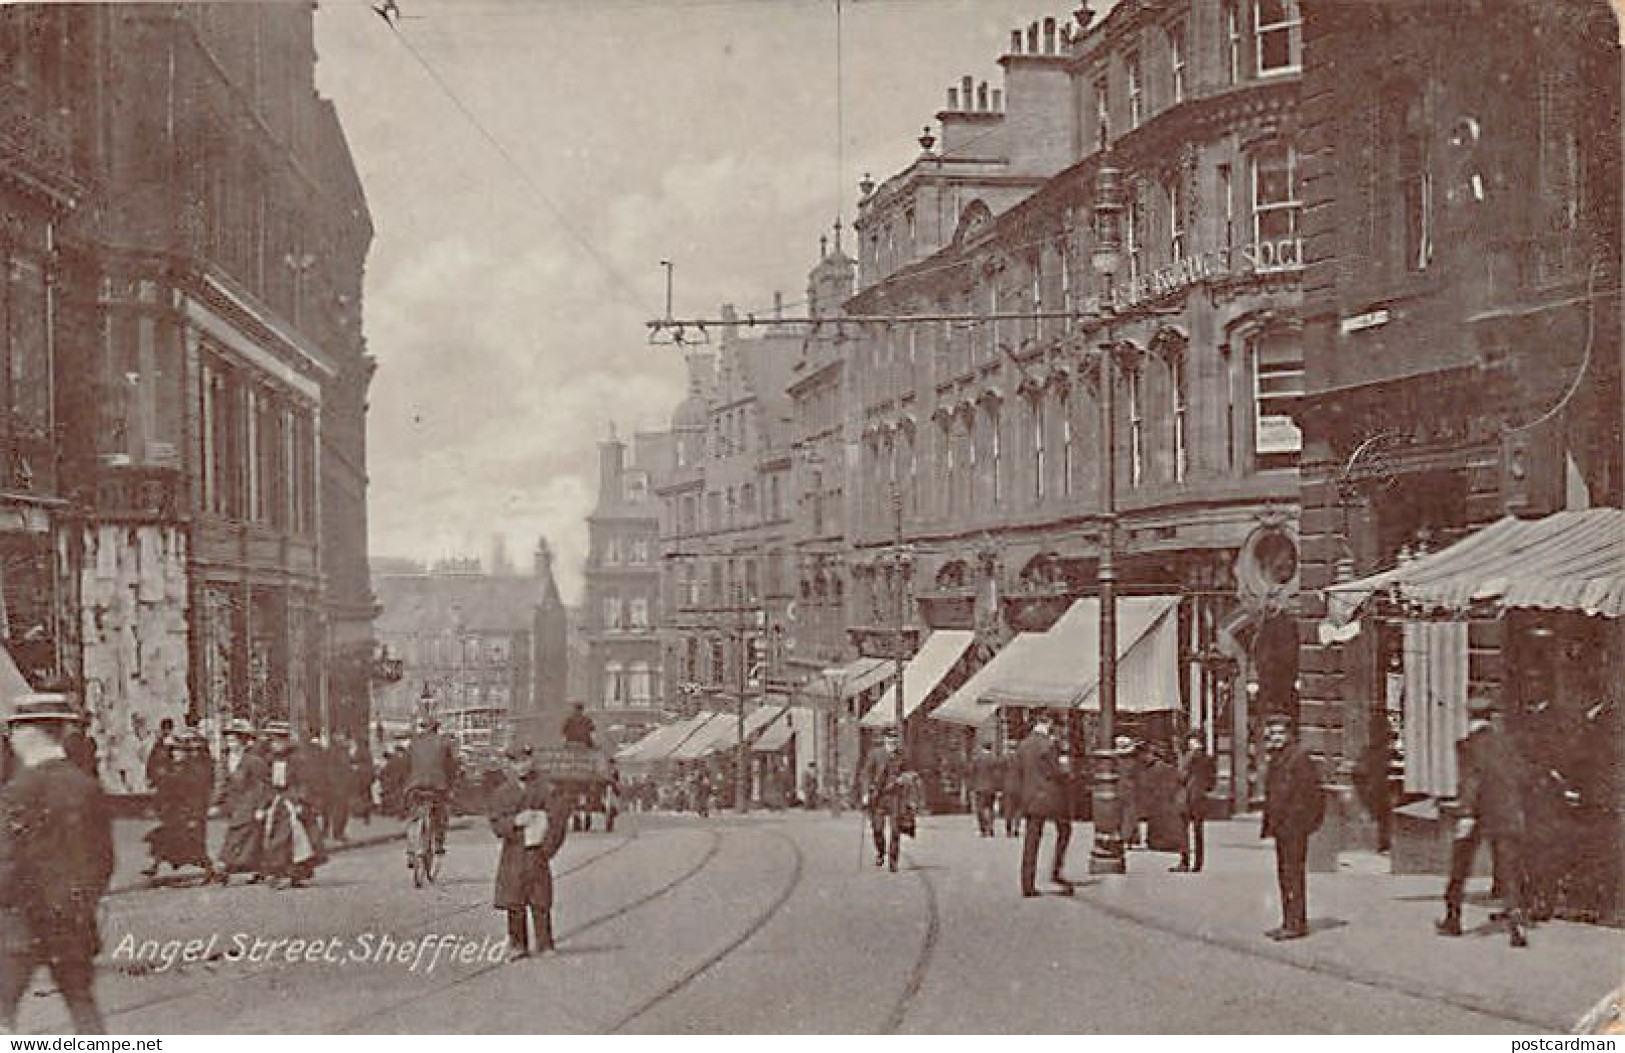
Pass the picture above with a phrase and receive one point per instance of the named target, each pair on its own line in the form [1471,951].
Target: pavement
[130,848]
[780,923]
[1367,926]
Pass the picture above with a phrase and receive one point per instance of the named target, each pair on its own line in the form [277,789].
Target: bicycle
[424,831]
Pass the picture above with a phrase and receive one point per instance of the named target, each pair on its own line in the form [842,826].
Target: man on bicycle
[431,773]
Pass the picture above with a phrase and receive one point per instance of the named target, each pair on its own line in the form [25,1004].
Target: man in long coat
[1196,778]
[531,821]
[244,797]
[881,792]
[1294,805]
[56,859]
[1010,794]
[1045,796]
[984,787]
[1490,798]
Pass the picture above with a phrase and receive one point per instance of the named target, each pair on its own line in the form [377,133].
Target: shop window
[1277,34]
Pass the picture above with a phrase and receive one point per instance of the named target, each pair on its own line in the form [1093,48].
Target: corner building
[990,430]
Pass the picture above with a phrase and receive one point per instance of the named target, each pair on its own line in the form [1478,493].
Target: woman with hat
[530,819]
[243,798]
[181,837]
[292,848]
[56,858]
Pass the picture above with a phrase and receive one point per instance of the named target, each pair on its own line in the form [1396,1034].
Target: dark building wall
[1462,178]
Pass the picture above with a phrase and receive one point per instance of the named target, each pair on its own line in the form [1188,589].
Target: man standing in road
[881,794]
[1196,777]
[56,859]
[530,820]
[1045,795]
[1294,805]
[1490,803]
[984,787]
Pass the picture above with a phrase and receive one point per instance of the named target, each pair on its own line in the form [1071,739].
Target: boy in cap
[56,859]
[530,819]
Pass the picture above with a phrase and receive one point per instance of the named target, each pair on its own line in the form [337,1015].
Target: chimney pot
[981,96]
[1066,36]
[953,100]
[1015,42]
[1049,36]
[967,92]
[1032,39]
[998,101]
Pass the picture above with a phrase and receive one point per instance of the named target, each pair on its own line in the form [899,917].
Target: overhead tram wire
[559,215]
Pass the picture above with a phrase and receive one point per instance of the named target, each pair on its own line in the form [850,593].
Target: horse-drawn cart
[585,776]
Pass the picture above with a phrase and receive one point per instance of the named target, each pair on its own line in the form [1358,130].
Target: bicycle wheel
[414,848]
[431,859]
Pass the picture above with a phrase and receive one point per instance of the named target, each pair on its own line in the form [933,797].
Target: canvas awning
[922,674]
[1060,668]
[781,731]
[12,682]
[720,732]
[849,680]
[1567,561]
[1063,671]
[658,744]
[965,706]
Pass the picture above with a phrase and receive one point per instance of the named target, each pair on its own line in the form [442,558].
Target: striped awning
[849,680]
[1567,561]
[941,651]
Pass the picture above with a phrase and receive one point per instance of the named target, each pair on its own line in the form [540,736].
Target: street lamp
[1107,856]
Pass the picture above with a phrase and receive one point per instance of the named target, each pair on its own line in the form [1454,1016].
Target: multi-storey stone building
[1461,332]
[986,429]
[479,648]
[726,514]
[208,365]
[621,610]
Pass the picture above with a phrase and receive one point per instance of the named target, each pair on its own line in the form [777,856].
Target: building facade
[982,431]
[621,609]
[209,367]
[1461,328]
[726,519]
[479,648]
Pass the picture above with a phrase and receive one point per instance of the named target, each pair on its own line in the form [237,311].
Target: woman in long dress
[243,799]
[293,845]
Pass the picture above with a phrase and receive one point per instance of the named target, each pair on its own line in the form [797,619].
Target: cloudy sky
[512,275]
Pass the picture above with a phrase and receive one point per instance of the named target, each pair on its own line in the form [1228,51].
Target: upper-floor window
[1278,381]
[1227,207]
[1136,90]
[1136,427]
[1232,43]
[1415,181]
[993,453]
[1181,398]
[1039,464]
[1134,240]
[639,617]
[1277,33]
[1176,60]
[1065,409]
[1103,114]
[612,612]
[1275,196]
[1176,219]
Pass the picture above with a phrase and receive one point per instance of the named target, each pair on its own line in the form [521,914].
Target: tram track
[420,925]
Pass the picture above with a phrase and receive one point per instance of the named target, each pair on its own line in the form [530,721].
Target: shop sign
[1277,433]
[1263,257]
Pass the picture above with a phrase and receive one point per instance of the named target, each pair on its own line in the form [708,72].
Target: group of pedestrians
[282,800]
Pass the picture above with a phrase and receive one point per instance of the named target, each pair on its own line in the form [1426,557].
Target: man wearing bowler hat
[1294,806]
[56,859]
[1490,807]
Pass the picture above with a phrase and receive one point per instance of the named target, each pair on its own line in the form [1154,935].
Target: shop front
[1551,592]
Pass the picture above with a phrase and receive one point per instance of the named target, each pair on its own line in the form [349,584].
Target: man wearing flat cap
[56,859]
[1490,807]
[1294,806]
